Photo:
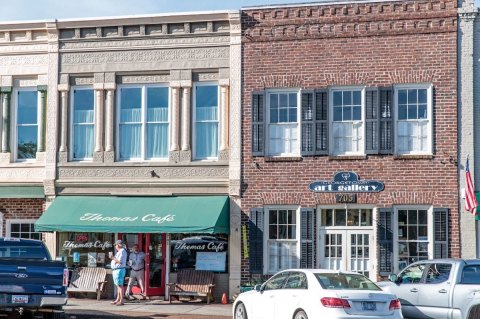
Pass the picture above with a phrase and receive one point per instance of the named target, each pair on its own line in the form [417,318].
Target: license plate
[19,299]
[369,306]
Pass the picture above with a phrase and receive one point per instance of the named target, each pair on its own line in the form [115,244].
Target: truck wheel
[474,313]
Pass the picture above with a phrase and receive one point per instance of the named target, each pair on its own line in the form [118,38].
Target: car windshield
[345,281]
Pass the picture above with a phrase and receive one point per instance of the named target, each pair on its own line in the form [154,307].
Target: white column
[6,122]
[98,120]
[175,119]
[64,120]
[186,119]
[223,118]
[41,121]
[109,122]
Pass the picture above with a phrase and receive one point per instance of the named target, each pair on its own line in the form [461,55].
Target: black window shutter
[308,123]
[385,241]
[440,232]
[321,122]
[386,121]
[258,123]
[371,121]
[307,249]
[255,242]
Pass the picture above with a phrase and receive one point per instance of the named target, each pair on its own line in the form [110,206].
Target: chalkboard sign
[211,261]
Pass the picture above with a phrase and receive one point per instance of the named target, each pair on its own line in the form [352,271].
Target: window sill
[283,159]
[413,157]
[347,157]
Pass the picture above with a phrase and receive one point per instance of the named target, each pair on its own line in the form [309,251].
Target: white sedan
[316,293]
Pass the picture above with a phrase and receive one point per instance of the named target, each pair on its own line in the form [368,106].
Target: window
[297,280]
[206,121]
[26,124]
[22,229]
[143,123]
[412,275]
[343,217]
[85,249]
[345,281]
[471,274]
[283,124]
[414,120]
[82,123]
[412,236]
[347,122]
[276,282]
[282,243]
[438,273]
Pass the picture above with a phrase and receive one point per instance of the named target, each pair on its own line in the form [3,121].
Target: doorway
[154,247]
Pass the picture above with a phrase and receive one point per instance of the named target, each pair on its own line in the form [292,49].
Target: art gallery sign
[347,182]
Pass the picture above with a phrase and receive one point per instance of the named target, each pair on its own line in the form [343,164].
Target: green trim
[6,89]
[111,214]
[42,87]
[21,192]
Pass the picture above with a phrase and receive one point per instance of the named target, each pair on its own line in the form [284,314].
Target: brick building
[349,136]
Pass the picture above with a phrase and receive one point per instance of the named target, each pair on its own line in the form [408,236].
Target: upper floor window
[26,123]
[347,122]
[283,123]
[82,138]
[143,123]
[206,121]
[413,119]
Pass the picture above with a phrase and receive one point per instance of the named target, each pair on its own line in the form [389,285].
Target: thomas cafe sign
[346,182]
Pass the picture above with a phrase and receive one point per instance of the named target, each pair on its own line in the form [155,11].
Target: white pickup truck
[438,289]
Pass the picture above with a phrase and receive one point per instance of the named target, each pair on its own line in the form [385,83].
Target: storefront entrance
[154,247]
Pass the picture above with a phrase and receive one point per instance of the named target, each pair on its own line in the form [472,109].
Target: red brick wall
[375,44]
[20,208]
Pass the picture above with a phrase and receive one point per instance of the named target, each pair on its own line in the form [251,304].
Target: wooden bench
[88,279]
[192,283]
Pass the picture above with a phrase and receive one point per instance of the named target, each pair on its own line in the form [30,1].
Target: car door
[407,288]
[263,306]
[433,296]
[291,295]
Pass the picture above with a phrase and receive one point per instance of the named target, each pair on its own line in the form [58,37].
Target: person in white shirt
[118,265]
[136,260]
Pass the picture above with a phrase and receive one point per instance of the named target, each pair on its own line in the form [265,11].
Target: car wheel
[240,312]
[300,315]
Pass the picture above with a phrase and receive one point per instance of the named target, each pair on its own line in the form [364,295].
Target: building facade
[349,136]
[129,126]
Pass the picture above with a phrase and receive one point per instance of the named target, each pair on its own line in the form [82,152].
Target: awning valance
[112,214]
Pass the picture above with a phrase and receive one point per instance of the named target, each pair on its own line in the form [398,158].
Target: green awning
[21,192]
[111,214]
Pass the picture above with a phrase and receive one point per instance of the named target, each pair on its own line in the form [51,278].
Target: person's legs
[131,280]
[141,280]
[121,278]
[115,275]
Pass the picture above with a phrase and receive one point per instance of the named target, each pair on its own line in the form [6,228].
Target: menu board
[211,261]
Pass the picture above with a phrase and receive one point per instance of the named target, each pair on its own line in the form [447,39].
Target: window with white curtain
[206,121]
[283,124]
[414,118]
[82,123]
[143,123]
[26,118]
[347,125]
[282,239]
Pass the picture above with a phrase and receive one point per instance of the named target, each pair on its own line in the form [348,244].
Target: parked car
[30,280]
[440,289]
[316,293]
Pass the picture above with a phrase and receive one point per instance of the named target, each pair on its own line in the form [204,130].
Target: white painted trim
[194,119]
[9,222]
[71,106]
[1,224]
[13,139]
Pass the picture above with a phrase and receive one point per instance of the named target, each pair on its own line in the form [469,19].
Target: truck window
[471,275]
[412,274]
[23,249]
[438,273]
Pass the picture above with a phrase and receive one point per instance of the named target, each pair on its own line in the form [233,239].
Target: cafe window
[200,252]
[85,249]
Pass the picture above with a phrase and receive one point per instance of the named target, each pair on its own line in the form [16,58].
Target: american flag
[470,199]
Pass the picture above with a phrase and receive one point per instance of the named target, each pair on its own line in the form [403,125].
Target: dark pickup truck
[30,281]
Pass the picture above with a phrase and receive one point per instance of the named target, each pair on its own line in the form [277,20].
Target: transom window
[347,122]
[343,217]
[412,236]
[206,121]
[23,229]
[282,239]
[26,124]
[143,123]
[83,123]
[283,127]
[413,120]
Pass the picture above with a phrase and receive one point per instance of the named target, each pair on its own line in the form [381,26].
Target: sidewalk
[91,308]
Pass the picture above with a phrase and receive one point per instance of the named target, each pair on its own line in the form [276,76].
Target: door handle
[414,290]
[443,291]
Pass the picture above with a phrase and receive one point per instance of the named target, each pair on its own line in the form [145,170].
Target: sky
[17,10]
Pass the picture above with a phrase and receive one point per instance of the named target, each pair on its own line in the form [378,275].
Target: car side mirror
[393,278]
[258,288]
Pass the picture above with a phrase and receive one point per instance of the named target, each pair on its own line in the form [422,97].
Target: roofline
[313,4]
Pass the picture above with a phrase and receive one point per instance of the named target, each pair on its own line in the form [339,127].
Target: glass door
[155,264]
